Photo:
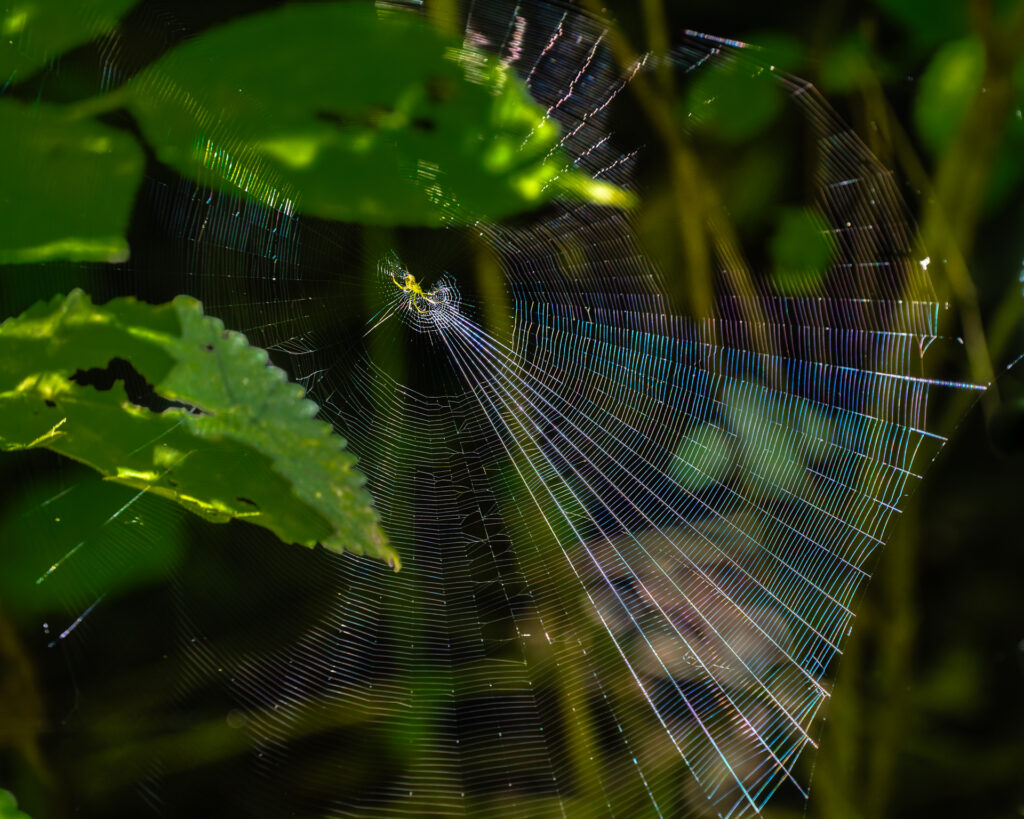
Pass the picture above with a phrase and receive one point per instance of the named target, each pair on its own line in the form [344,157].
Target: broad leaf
[163,398]
[68,186]
[35,31]
[947,89]
[9,806]
[357,116]
[734,101]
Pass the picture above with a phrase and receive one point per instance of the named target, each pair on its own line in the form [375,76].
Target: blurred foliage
[947,89]
[846,67]
[735,105]
[32,32]
[21,702]
[9,806]
[86,218]
[802,249]
[166,400]
[926,713]
[704,457]
[444,134]
[91,537]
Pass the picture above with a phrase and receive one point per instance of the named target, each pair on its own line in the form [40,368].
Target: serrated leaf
[33,32]
[68,186]
[163,398]
[356,116]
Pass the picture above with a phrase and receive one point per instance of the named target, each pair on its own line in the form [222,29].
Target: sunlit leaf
[164,399]
[68,186]
[355,116]
[947,89]
[35,31]
[801,250]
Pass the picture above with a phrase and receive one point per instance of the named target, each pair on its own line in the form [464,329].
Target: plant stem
[95,106]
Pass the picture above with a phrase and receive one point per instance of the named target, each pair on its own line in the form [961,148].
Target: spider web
[632,541]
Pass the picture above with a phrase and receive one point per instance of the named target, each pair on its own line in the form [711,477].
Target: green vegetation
[444,135]
[403,125]
[33,32]
[99,167]
[210,424]
[441,135]
[9,806]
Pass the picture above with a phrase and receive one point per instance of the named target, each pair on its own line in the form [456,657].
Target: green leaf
[781,52]
[34,31]
[9,806]
[802,249]
[348,114]
[735,101]
[947,89]
[220,431]
[68,186]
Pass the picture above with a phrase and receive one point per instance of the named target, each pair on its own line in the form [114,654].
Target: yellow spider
[415,291]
